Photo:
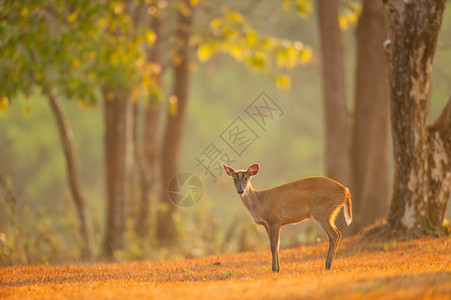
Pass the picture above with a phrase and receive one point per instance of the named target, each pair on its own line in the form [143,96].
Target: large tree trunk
[334,94]
[370,131]
[166,230]
[73,173]
[422,156]
[118,125]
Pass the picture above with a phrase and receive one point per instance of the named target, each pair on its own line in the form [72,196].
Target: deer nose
[240,192]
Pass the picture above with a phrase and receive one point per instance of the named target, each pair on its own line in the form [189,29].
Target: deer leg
[337,241]
[274,236]
[334,237]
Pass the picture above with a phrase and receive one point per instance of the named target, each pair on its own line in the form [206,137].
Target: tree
[148,152]
[369,148]
[334,94]
[73,173]
[422,152]
[166,231]
[364,165]
[36,43]
[119,113]
[67,50]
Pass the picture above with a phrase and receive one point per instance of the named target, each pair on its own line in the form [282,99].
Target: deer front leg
[274,236]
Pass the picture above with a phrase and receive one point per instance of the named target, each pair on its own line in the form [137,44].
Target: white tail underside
[347,217]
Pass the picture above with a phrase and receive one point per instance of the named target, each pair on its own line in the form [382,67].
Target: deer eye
[234,180]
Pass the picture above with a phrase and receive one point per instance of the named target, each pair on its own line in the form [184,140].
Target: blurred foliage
[232,34]
[74,47]
[30,236]
[350,13]
[303,7]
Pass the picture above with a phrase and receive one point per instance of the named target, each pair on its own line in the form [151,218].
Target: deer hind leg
[335,239]
[334,236]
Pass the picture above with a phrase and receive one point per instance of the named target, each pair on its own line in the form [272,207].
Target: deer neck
[249,191]
[251,202]
[249,196]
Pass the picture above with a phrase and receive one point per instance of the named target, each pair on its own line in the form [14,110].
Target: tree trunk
[118,117]
[369,151]
[422,156]
[149,152]
[334,95]
[439,168]
[166,230]
[148,167]
[73,173]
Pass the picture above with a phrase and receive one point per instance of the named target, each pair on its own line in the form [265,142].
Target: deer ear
[253,170]
[229,170]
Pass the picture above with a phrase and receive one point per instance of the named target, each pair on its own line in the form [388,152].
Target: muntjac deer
[319,198]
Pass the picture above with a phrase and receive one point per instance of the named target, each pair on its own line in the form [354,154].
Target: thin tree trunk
[334,94]
[73,173]
[147,168]
[370,132]
[118,116]
[422,153]
[166,229]
[334,98]
[139,172]
[149,153]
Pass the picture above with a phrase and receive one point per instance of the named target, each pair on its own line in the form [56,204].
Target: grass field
[418,269]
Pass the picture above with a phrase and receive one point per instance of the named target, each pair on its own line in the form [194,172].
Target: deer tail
[348,207]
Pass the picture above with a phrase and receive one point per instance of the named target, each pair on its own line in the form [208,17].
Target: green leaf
[343,22]
[151,37]
[215,23]
[304,8]
[251,38]
[173,105]
[236,52]
[236,17]
[306,55]
[283,82]
[4,103]
[204,51]
[26,110]
[286,4]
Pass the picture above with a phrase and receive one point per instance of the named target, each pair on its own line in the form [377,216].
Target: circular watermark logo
[185,189]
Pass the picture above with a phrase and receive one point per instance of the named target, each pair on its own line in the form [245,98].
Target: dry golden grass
[418,269]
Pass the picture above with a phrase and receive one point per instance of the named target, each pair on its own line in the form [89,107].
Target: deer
[317,198]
